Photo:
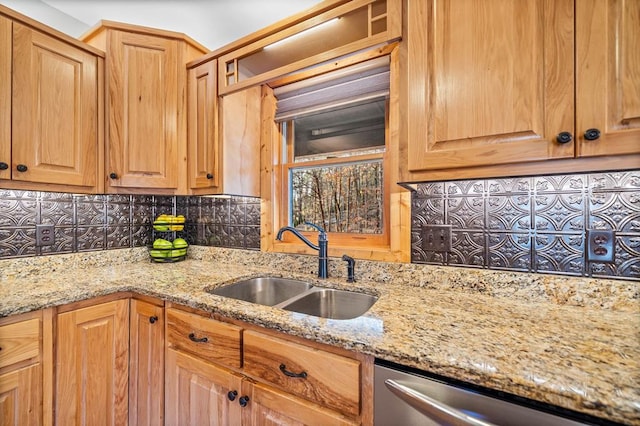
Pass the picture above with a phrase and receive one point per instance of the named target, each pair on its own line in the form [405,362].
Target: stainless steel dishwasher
[406,397]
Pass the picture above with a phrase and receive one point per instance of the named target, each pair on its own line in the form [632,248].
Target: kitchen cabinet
[202,116]
[24,369]
[146,135]
[224,136]
[146,363]
[49,108]
[490,84]
[92,360]
[198,392]
[211,375]
[607,77]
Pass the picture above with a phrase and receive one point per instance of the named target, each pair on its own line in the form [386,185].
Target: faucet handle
[316,227]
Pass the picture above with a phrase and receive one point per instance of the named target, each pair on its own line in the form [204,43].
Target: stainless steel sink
[268,291]
[331,303]
[298,296]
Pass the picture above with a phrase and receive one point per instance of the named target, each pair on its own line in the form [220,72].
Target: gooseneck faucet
[322,247]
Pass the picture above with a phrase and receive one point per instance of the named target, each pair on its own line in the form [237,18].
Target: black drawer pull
[564,137]
[22,168]
[232,395]
[592,134]
[193,338]
[153,319]
[288,373]
[3,165]
[209,176]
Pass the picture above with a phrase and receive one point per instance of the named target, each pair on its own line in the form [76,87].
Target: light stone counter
[570,342]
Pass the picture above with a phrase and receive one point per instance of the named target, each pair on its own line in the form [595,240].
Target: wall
[532,224]
[99,222]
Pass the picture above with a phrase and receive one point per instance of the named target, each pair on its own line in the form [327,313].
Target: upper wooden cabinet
[608,77]
[224,136]
[49,108]
[146,133]
[492,83]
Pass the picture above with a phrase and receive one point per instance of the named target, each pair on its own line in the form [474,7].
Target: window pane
[343,198]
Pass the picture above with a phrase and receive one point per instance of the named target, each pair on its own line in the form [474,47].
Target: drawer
[325,378]
[19,341]
[206,338]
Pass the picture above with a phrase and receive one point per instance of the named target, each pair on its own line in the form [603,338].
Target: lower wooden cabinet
[25,369]
[146,364]
[21,396]
[266,380]
[92,365]
[200,392]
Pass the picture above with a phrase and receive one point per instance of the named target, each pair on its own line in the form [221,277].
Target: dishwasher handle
[432,408]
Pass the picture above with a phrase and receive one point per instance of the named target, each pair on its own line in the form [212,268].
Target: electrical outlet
[45,235]
[436,238]
[600,245]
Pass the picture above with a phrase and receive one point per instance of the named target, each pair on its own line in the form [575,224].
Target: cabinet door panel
[608,83]
[54,110]
[196,392]
[203,141]
[92,365]
[143,105]
[146,364]
[492,81]
[270,407]
[21,397]
[5,96]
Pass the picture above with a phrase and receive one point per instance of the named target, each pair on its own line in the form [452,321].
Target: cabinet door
[55,113]
[490,82]
[21,396]
[146,364]
[5,98]
[241,127]
[608,76]
[197,392]
[202,135]
[92,365]
[269,407]
[143,111]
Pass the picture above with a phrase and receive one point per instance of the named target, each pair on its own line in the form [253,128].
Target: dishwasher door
[397,393]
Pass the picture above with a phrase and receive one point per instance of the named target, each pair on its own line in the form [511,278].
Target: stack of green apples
[166,251]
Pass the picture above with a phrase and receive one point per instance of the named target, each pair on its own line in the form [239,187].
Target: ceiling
[213,23]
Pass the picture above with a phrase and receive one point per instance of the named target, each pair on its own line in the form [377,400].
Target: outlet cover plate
[600,245]
[45,235]
[436,238]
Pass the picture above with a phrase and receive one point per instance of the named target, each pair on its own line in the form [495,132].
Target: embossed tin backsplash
[99,222]
[532,224]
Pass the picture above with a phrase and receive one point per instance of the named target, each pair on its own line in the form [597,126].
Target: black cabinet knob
[209,176]
[21,168]
[592,134]
[244,400]
[113,175]
[232,395]
[153,319]
[564,137]
[3,165]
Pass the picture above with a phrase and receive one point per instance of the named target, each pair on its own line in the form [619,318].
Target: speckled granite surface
[574,343]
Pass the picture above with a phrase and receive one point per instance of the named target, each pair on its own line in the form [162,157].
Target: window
[331,148]
[333,131]
[335,169]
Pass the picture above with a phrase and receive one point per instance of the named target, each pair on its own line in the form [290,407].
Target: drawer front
[19,341]
[327,379]
[206,338]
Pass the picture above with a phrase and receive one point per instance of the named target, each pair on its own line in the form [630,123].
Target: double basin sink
[299,296]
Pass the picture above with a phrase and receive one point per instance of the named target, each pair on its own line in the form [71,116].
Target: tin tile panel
[535,224]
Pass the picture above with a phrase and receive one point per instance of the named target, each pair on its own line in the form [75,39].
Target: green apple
[178,252]
[180,243]
[159,254]
[161,243]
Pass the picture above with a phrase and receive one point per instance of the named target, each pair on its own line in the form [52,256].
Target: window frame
[394,244]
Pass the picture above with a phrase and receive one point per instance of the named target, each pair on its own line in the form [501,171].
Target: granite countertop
[584,358]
